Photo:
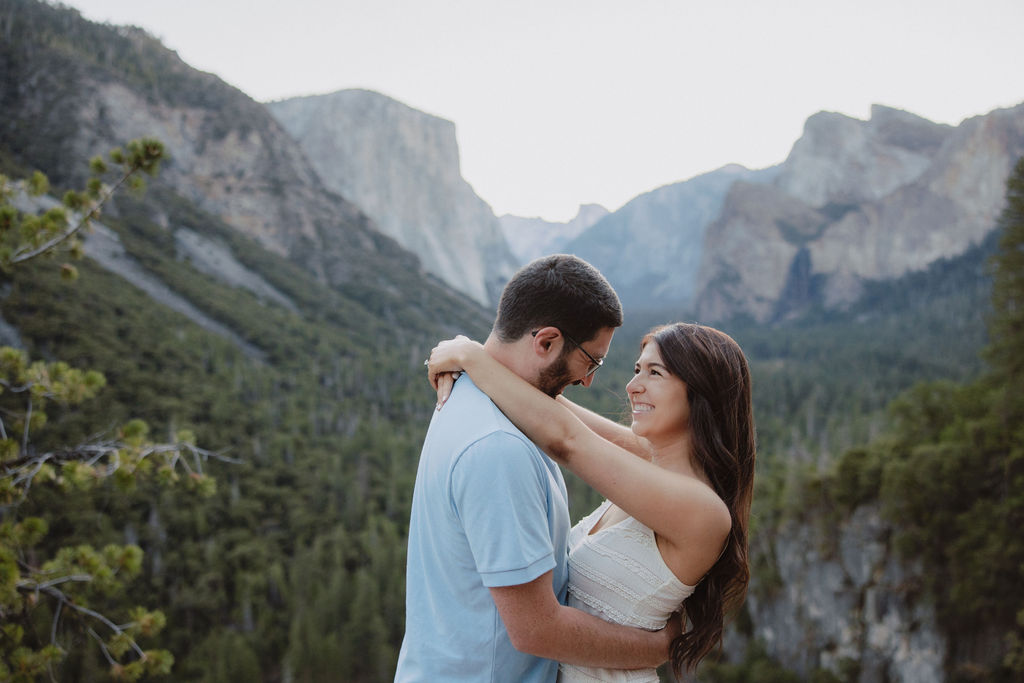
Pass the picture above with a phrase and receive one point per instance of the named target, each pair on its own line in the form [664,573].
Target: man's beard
[555,377]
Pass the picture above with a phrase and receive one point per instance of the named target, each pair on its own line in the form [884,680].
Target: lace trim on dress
[643,537]
[576,674]
[605,607]
[613,615]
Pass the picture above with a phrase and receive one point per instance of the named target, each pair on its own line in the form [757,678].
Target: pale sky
[559,103]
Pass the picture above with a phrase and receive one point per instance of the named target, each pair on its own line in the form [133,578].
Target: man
[487,564]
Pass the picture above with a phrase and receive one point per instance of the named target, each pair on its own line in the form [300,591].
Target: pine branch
[25,253]
[63,600]
[143,155]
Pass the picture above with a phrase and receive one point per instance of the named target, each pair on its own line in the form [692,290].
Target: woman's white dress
[618,574]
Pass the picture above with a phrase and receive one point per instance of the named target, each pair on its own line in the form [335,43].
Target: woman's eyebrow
[652,364]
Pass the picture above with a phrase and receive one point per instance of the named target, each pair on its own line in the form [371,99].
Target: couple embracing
[498,586]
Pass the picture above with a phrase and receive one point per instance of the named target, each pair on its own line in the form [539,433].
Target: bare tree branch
[64,601]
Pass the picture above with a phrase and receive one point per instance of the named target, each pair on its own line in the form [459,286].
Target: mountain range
[854,202]
[281,281]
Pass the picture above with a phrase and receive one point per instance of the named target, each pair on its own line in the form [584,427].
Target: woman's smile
[654,385]
[642,407]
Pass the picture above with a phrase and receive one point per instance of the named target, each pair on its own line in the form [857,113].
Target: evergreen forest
[295,562]
[284,559]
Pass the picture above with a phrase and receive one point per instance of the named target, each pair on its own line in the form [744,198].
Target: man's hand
[673,629]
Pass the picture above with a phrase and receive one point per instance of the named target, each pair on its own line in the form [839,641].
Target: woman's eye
[655,372]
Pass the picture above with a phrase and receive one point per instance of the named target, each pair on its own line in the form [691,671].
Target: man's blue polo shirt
[489,509]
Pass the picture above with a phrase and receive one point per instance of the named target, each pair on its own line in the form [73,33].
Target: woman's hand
[446,363]
[443,383]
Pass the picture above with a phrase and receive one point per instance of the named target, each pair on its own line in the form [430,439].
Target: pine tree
[1006,327]
[1006,354]
[46,604]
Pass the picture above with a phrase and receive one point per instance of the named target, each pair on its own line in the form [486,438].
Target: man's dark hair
[559,290]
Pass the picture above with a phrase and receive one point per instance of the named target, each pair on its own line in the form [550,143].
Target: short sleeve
[500,491]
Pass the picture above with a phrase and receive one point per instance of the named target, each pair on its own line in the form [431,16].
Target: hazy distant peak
[735,169]
[824,119]
[589,214]
[530,238]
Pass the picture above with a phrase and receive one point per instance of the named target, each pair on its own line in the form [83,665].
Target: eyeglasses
[595,363]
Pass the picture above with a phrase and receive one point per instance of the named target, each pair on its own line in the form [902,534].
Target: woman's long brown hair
[722,433]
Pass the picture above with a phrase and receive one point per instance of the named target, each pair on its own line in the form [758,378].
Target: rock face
[842,160]
[401,166]
[227,154]
[846,601]
[651,249]
[102,245]
[856,201]
[530,238]
[217,261]
[228,175]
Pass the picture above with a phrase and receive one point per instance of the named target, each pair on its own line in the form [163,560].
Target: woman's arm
[683,510]
[525,402]
[608,429]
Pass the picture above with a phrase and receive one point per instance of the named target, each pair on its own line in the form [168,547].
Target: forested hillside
[292,570]
[822,387]
[327,426]
[297,560]
[294,567]
[267,571]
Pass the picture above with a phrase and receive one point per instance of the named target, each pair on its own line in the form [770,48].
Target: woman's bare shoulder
[707,520]
[698,536]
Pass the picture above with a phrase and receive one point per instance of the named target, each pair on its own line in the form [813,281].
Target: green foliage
[949,473]
[329,419]
[77,579]
[295,569]
[72,588]
[858,477]
[231,658]
[1014,659]
[26,236]
[1007,324]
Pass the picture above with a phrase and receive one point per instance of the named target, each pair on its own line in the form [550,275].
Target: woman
[675,537]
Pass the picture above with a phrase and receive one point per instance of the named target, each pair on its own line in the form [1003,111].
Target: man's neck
[512,356]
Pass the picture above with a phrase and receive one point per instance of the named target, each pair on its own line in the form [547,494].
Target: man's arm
[538,625]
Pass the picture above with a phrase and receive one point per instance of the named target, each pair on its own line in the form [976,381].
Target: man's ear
[547,340]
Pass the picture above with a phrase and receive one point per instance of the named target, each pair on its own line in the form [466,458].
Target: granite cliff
[856,201]
[401,166]
[846,604]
